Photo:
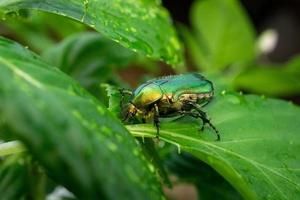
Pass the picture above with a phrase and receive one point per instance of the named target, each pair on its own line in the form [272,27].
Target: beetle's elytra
[170,96]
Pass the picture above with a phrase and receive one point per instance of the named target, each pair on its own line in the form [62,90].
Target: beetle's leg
[192,114]
[156,119]
[205,120]
[123,91]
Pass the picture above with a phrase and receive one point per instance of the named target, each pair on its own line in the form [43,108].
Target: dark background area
[280,15]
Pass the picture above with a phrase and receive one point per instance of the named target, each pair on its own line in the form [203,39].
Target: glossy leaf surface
[72,135]
[258,151]
[140,25]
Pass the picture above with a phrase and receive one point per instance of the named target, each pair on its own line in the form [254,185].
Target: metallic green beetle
[171,96]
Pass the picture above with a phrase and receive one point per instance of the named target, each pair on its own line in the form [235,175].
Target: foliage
[141,25]
[217,44]
[284,79]
[36,29]
[218,41]
[257,157]
[46,108]
[210,184]
[91,60]
[61,104]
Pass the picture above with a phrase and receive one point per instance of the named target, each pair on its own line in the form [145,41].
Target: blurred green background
[251,47]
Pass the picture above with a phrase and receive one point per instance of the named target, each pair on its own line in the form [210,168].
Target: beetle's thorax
[146,95]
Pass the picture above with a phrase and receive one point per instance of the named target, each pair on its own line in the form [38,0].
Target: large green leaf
[259,151]
[21,178]
[39,30]
[88,55]
[74,137]
[140,25]
[210,184]
[272,80]
[90,59]
[223,33]
[13,177]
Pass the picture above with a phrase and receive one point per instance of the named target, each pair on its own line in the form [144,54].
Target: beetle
[171,96]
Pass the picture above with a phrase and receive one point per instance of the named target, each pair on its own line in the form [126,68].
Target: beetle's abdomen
[195,97]
[201,99]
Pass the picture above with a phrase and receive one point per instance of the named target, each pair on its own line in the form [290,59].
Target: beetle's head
[129,111]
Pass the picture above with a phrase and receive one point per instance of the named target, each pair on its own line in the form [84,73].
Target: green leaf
[21,178]
[259,148]
[12,147]
[114,95]
[272,80]
[13,174]
[194,48]
[39,30]
[71,134]
[140,25]
[151,153]
[6,135]
[90,59]
[88,55]
[223,33]
[209,183]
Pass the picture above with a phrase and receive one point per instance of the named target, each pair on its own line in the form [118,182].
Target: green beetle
[171,96]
